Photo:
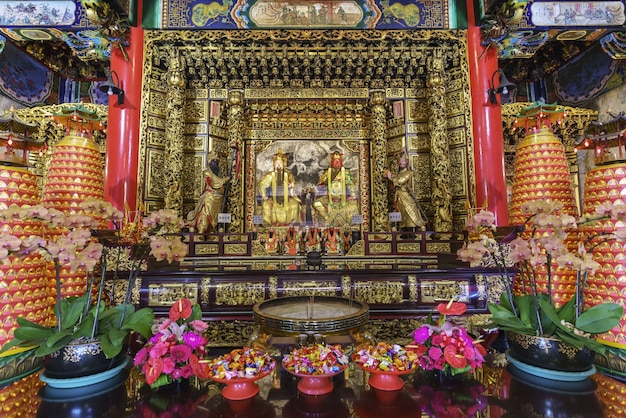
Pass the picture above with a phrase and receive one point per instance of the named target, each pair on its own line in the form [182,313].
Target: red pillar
[122,147]
[486,126]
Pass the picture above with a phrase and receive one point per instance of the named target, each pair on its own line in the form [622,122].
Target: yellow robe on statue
[404,200]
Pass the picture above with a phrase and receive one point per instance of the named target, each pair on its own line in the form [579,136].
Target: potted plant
[84,324]
[530,316]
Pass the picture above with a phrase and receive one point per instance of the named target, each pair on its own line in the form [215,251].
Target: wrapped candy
[245,363]
[317,359]
[386,357]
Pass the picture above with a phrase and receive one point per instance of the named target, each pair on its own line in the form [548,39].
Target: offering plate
[293,315]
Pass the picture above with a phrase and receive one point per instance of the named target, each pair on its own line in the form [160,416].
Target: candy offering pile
[243,363]
[386,358]
[317,359]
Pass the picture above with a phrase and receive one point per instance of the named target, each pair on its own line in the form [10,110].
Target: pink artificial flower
[158,350]
[180,353]
[435,353]
[168,365]
[141,356]
[198,325]
[421,334]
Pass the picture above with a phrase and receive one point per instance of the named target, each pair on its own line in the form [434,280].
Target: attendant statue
[404,199]
[204,217]
[339,202]
[277,189]
[312,239]
[272,241]
[331,240]
[292,241]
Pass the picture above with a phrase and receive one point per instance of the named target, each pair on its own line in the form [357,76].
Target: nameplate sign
[223,218]
[357,219]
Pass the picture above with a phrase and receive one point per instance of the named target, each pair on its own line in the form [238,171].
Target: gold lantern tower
[75,174]
[24,279]
[606,183]
[541,172]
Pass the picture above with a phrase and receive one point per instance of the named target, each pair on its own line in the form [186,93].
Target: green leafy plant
[88,317]
[533,256]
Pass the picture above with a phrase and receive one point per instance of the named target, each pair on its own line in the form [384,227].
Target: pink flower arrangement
[178,349]
[445,346]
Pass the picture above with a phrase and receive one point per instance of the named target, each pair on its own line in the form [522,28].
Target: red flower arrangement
[178,349]
[445,346]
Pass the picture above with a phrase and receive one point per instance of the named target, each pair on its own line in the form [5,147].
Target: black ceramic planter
[80,358]
[549,353]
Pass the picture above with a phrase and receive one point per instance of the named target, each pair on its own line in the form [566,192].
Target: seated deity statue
[337,205]
[204,217]
[280,204]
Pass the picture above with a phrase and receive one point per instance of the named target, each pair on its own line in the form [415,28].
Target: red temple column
[122,147]
[486,126]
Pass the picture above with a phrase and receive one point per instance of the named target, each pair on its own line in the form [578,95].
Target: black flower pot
[549,353]
[80,358]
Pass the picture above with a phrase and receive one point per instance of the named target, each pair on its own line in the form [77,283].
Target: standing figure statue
[277,189]
[404,199]
[204,217]
[338,201]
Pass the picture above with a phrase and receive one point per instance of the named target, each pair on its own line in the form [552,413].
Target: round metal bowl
[294,315]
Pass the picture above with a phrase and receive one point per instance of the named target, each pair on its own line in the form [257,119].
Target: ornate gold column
[380,203]
[439,147]
[174,130]
[235,143]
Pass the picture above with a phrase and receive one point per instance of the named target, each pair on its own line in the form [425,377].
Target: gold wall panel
[418,111]
[394,93]
[457,137]
[156,138]
[372,292]
[438,247]
[235,249]
[409,247]
[207,249]
[443,291]
[419,142]
[157,103]
[456,122]
[416,93]
[198,93]
[218,94]
[196,110]
[198,143]
[299,288]
[306,93]
[458,167]
[380,248]
[155,122]
[165,294]
[155,181]
[239,293]
[417,128]
[421,176]
[455,102]
[196,128]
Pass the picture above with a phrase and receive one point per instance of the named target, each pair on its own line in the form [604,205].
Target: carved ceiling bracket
[305,59]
